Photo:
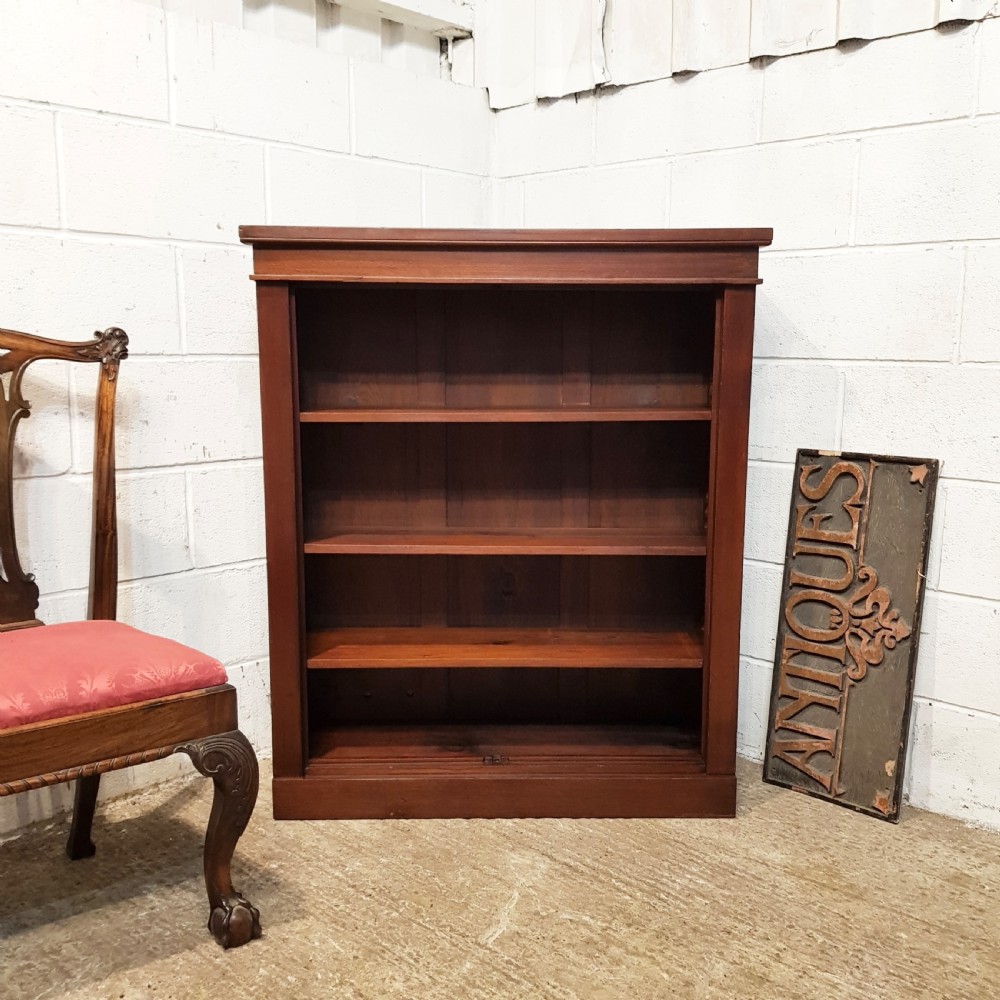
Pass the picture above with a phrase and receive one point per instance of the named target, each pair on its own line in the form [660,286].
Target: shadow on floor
[144,890]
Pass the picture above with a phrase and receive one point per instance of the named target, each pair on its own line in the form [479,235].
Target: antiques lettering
[840,621]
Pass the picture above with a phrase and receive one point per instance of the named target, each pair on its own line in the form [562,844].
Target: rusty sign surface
[848,627]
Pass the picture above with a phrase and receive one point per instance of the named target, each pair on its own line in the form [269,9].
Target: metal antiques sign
[847,630]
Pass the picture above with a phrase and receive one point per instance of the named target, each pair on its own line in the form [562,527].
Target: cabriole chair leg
[232,765]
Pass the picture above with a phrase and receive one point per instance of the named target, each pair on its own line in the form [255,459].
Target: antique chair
[82,698]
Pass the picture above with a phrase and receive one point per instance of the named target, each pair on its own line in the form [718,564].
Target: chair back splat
[18,590]
[78,699]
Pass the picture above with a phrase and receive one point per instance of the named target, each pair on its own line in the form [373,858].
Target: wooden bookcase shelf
[501,647]
[523,415]
[504,479]
[540,542]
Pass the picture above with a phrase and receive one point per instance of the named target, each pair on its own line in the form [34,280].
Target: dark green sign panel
[848,627]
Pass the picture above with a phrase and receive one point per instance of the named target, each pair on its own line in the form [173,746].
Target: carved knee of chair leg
[232,765]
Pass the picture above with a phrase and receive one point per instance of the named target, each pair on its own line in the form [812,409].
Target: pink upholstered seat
[52,671]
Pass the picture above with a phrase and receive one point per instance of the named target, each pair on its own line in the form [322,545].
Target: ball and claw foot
[235,923]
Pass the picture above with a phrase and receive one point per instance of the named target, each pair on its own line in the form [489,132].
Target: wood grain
[499,647]
[515,497]
[508,794]
[550,541]
[497,415]
[83,739]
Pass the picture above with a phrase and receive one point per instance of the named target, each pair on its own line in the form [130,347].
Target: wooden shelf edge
[524,415]
[436,648]
[263,235]
[327,278]
[542,542]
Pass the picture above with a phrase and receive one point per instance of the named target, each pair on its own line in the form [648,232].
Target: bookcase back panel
[630,475]
[576,592]
[498,696]
[497,346]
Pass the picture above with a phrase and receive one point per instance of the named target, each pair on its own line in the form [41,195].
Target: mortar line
[956,355]
[60,154]
[852,222]
[181,303]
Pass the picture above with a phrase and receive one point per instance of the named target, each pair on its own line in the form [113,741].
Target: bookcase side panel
[727,501]
[279,414]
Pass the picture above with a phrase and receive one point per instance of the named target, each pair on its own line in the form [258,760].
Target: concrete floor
[793,899]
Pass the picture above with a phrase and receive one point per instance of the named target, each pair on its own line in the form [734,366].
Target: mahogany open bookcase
[504,477]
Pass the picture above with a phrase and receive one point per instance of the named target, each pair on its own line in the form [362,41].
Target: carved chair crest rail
[81,698]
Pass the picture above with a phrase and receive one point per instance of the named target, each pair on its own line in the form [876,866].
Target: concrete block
[507,203]
[353,33]
[569,50]
[937,536]
[218,300]
[43,444]
[882,305]
[68,288]
[152,525]
[613,197]
[934,411]
[181,412]
[505,51]
[227,514]
[780,29]
[551,135]
[413,49]
[52,518]
[125,178]
[292,20]
[463,61]
[221,11]
[921,77]
[28,197]
[968,10]
[989,67]
[218,84]
[638,40]
[232,626]
[930,184]
[980,338]
[970,548]
[793,406]
[313,189]
[755,703]
[952,756]
[863,19]
[710,33]
[54,527]
[959,637]
[769,494]
[104,55]
[253,695]
[802,191]
[761,606]
[454,200]
[414,119]
[711,110]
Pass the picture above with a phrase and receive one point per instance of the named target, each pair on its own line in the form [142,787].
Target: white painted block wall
[878,323]
[133,143]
